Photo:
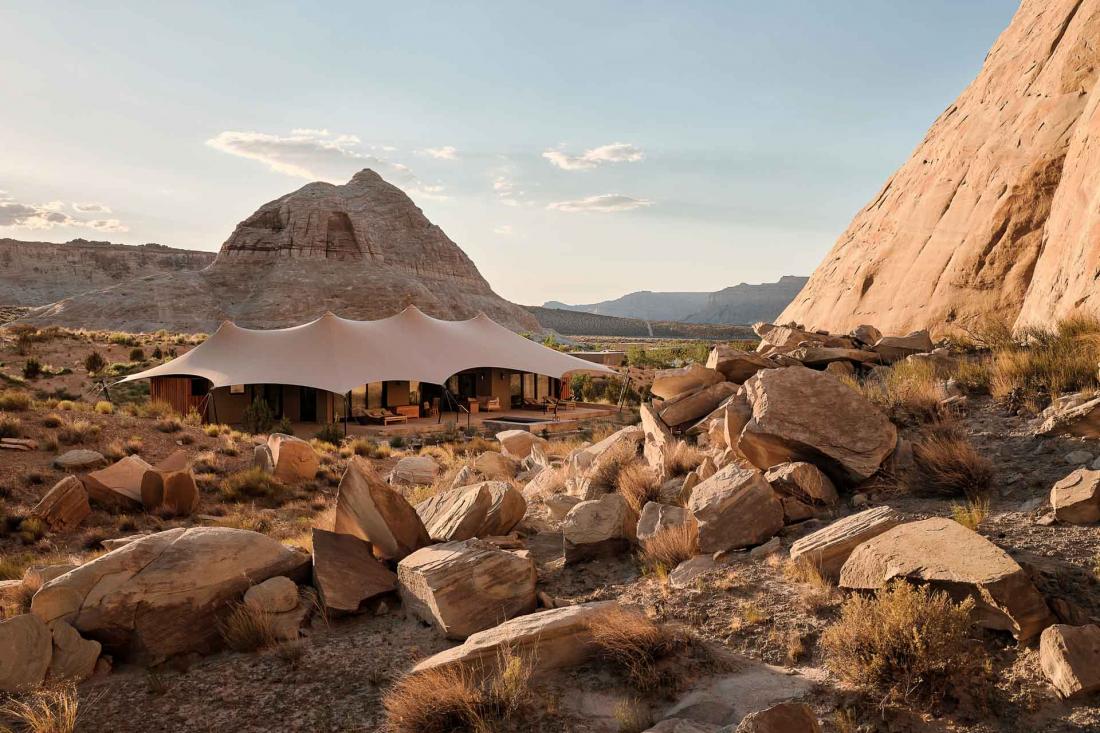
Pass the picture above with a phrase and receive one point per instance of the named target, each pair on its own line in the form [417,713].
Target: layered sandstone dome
[998,210]
[362,250]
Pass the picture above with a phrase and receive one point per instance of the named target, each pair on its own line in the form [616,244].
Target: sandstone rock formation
[369,509]
[827,549]
[995,212]
[735,508]
[346,573]
[362,250]
[1070,658]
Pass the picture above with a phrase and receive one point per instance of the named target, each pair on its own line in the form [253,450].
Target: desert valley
[327,478]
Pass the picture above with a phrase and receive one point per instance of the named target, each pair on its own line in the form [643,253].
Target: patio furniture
[473,405]
[385,417]
[409,411]
[492,404]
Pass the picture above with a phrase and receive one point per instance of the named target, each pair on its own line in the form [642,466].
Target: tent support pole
[347,409]
[622,393]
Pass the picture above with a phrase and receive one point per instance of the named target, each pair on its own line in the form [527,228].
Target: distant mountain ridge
[740,304]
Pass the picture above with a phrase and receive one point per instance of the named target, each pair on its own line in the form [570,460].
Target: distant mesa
[739,304]
[362,250]
[996,212]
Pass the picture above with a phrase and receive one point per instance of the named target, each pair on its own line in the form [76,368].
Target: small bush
[905,644]
[668,548]
[908,392]
[66,405]
[613,460]
[247,629]
[94,362]
[1054,362]
[32,369]
[103,407]
[946,464]
[121,339]
[77,431]
[155,409]
[972,514]
[638,484]
[257,417]
[137,354]
[13,400]
[54,709]
[634,646]
[252,483]
[31,529]
[10,426]
[115,450]
[213,430]
[683,458]
[330,433]
[52,420]
[170,424]
[285,426]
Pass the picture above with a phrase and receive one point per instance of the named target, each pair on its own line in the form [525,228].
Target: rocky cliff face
[361,250]
[997,210]
[37,273]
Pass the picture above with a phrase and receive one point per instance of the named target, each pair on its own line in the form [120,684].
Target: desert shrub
[1054,362]
[971,514]
[154,409]
[330,433]
[94,362]
[946,464]
[453,700]
[816,592]
[10,426]
[66,405]
[115,450]
[908,392]
[157,354]
[170,424]
[137,354]
[638,484]
[247,629]
[32,369]
[77,431]
[683,458]
[669,547]
[284,426]
[365,448]
[52,420]
[13,400]
[53,709]
[905,643]
[103,407]
[252,483]
[477,445]
[634,645]
[31,529]
[121,339]
[612,462]
[257,417]
[213,430]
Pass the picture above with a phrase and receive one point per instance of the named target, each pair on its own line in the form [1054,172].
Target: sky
[576,151]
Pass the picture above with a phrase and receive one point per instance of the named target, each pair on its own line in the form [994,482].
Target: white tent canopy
[337,354]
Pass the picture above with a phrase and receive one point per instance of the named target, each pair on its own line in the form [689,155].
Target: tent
[337,354]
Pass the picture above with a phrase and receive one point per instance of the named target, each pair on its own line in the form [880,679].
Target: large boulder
[1076,498]
[803,489]
[554,639]
[369,509]
[583,459]
[828,548]
[598,527]
[64,506]
[667,383]
[414,471]
[118,486]
[896,348]
[784,338]
[346,572]
[695,405]
[160,595]
[496,466]
[79,459]
[457,514]
[1070,658]
[735,508]
[866,335]
[170,484]
[293,458]
[656,517]
[26,648]
[466,587]
[1081,420]
[946,555]
[517,444]
[820,357]
[74,657]
[658,440]
[274,595]
[737,365]
[786,717]
[806,415]
[506,508]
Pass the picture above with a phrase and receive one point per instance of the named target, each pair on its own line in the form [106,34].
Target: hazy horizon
[576,153]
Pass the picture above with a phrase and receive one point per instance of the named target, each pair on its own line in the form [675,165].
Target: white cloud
[315,155]
[506,191]
[608,203]
[447,152]
[589,159]
[91,208]
[49,215]
[504,230]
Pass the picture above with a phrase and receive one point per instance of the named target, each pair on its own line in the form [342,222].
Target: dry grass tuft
[638,484]
[971,514]
[247,629]
[668,548]
[252,483]
[10,426]
[14,400]
[170,424]
[52,420]
[103,407]
[635,646]
[453,700]
[816,592]
[908,392]
[612,462]
[946,464]
[1054,362]
[633,716]
[905,644]
[77,431]
[53,709]
[683,458]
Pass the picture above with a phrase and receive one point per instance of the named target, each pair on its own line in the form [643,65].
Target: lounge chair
[381,416]
[492,404]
